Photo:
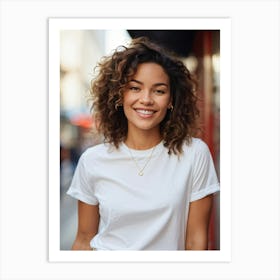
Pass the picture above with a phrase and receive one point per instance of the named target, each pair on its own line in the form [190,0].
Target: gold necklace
[141,170]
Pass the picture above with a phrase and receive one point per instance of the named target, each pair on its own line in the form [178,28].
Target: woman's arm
[198,222]
[88,221]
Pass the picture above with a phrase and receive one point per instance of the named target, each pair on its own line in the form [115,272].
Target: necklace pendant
[140,171]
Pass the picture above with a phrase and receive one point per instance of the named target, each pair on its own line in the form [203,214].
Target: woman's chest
[163,186]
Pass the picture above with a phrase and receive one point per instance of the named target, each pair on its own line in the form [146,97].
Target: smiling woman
[149,186]
[118,71]
[145,103]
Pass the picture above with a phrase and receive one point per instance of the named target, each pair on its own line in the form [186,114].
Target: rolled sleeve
[82,186]
[205,179]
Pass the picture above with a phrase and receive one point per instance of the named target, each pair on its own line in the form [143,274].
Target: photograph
[139,134]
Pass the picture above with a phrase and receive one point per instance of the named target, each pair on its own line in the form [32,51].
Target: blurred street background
[80,50]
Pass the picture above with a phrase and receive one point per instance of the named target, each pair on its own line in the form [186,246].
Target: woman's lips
[145,113]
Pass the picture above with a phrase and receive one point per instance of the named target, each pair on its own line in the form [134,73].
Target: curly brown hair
[116,70]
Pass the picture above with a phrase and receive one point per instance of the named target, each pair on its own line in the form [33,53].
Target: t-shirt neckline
[157,148]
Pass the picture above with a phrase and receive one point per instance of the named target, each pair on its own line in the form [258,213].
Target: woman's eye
[159,91]
[134,88]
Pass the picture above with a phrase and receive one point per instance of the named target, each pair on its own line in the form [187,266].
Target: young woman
[149,186]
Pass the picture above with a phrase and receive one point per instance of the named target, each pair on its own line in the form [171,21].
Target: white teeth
[145,112]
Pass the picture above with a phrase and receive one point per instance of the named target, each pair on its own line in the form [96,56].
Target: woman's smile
[147,97]
[145,113]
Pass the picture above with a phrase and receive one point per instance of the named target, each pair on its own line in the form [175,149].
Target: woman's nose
[146,98]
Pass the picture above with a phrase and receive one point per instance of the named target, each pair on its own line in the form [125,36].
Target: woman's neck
[142,140]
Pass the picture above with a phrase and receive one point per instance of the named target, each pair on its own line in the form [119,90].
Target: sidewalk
[68,221]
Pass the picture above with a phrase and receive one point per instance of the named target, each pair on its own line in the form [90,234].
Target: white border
[222,24]
[255,102]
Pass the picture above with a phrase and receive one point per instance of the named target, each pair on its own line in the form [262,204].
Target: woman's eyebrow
[156,84]
[160,84]
[136,81]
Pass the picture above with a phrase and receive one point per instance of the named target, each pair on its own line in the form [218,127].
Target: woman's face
[147,97]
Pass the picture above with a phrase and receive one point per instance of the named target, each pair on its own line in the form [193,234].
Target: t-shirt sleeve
[205,179]
[82,187]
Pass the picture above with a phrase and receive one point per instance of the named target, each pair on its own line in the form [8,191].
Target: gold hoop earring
[117,106]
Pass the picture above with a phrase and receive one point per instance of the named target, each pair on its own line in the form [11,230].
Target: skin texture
[146,100]
[198,222]
[88,217]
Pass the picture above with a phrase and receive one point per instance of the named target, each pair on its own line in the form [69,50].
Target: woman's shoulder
[195,144]
[97,151]
[197,148]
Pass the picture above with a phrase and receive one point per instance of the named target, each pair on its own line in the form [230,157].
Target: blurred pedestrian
[149,186]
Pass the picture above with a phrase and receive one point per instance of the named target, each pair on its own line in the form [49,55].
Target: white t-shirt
[146,212]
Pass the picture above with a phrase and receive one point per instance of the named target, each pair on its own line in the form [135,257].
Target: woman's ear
[170,106]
